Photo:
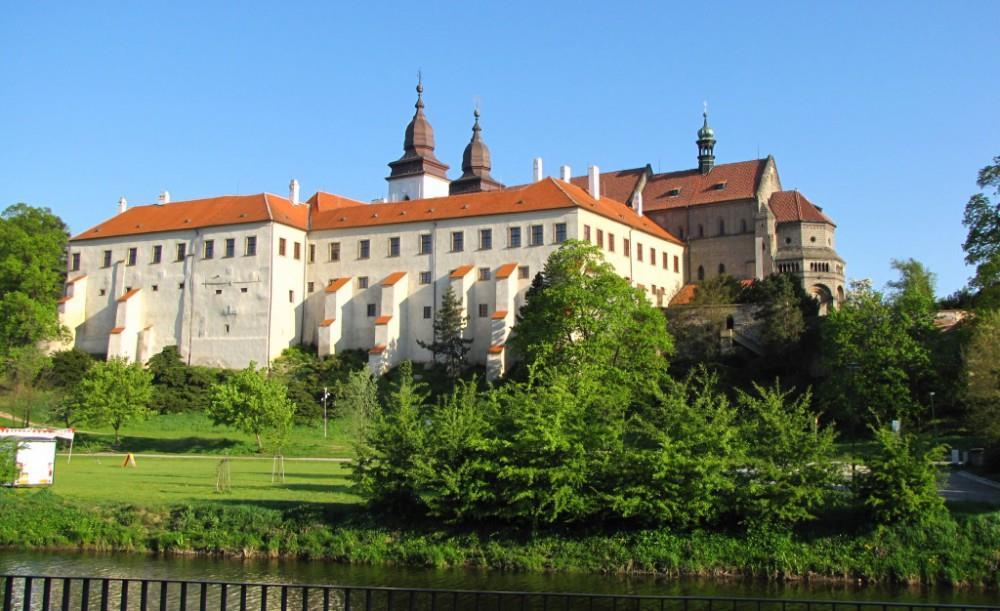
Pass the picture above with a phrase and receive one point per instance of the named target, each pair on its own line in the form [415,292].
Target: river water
[328,573]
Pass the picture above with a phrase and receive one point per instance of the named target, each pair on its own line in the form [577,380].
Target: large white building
[234,279]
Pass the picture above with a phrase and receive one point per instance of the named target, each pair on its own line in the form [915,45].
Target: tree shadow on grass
[92,442]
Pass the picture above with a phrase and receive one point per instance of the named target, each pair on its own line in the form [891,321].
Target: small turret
[706,145]
[476,165]
[418,173]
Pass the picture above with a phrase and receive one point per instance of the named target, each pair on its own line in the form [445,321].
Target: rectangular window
[180,286]
[522,272]
[371,310]
[103,292]
[600,238]
[297,250]
[652,256]
[666,264]
[559,231]
[457,241]
[181,251]
[312,253]
[426,245]
[677,264]
[484,310]
[250,249]
[485,239]
[243,289]
[586,233]
[218,291]
[155,287]
[514,237]
[107,259]
[362,282]
[537,235]
[425,277]
[133,254]
[484,273]
[230,247]
[611,242]
[75,267]
[335,251]
[291,296]
[209,249]
[626,247]
[427,312]
[394,246]
[282,247]
[638,251]
[364,249]
[157,253]
[310,286]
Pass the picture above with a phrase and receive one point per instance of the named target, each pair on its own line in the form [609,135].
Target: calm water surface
[319,572]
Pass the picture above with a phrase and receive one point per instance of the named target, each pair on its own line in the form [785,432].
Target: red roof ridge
[128,294]
[505,270]
[393,278]
[496,349]
[499,315]
[327,322]
[377,349]
[337,284]
[383,320]
[461,271]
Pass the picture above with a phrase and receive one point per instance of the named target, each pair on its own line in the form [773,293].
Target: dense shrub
[901,486]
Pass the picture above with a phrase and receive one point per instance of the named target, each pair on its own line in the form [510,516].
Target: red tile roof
[741,180]
[393,278]
[792,206]
[337,284]
[505,270]
[685,295]
[323,202]
[383,320]
[377,349]
[496,349]
[117,330]
[460,272]
[327,322]
[209,212]
[77,279]
[131,293]
[499,315]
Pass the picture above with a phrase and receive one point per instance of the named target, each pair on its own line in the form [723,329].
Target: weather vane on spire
[704,106]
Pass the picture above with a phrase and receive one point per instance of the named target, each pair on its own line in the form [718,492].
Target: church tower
[706,145]
[418,174]
[475,165]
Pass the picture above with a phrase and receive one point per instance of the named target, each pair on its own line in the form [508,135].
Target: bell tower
[476,165]
[418,174]
[706,145]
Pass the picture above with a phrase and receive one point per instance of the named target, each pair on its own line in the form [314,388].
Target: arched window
[743,225]
[722,227]
[701,231]
[701,272]
[730,323]
[680,232]
[722,268]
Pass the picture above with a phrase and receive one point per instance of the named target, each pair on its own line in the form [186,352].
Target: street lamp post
[326,395]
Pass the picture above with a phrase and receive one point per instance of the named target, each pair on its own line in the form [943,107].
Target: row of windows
[428,312]
[722,229]
[425,242]
[701,271]
[627,248]
[180,286]
[156,254]
[485,273]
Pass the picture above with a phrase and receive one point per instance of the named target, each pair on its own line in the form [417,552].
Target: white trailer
[35,455]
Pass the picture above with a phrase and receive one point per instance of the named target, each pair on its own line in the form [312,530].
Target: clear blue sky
[880,112]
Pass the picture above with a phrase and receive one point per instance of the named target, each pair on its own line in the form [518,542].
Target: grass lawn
[194,433]
[159,481]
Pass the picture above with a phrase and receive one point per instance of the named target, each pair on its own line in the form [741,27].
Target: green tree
[583,312]
[720,290]
[982,243]
[32,273]
[22,368]
[179,386]
[789,471]
[982,374]
[901,485]
[355,401]
[784,306]
[113,393]
[384,469]
[449,345]
[875,368]
[913,292]
[256,404]
[66,368]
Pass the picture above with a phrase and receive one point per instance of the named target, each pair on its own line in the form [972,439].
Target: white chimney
[564,173]
[594,181]
[122,205]
[293,192]
[637,203]
[164,198]
[537,166]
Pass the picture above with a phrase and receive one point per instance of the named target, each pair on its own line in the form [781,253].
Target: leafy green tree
[982,374]
[901,485]
[696,331]
[32,272]
[913,292]
[782,301]
[789,471]
[67,367]
[355,400]
[255,404]
[113,393]
[449,345]
[384,469]
[179,386]
[875,368]
[982,243]
[583,312]
[719,290]
[22,368]
[8,460]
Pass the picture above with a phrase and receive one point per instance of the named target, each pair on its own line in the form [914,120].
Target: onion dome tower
[475,165]
[706,145]
[418,174]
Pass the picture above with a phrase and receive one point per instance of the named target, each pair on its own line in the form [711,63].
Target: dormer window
[719,186]
[674,192]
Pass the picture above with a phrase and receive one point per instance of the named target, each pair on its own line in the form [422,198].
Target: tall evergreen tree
[449,345]
[982,244]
